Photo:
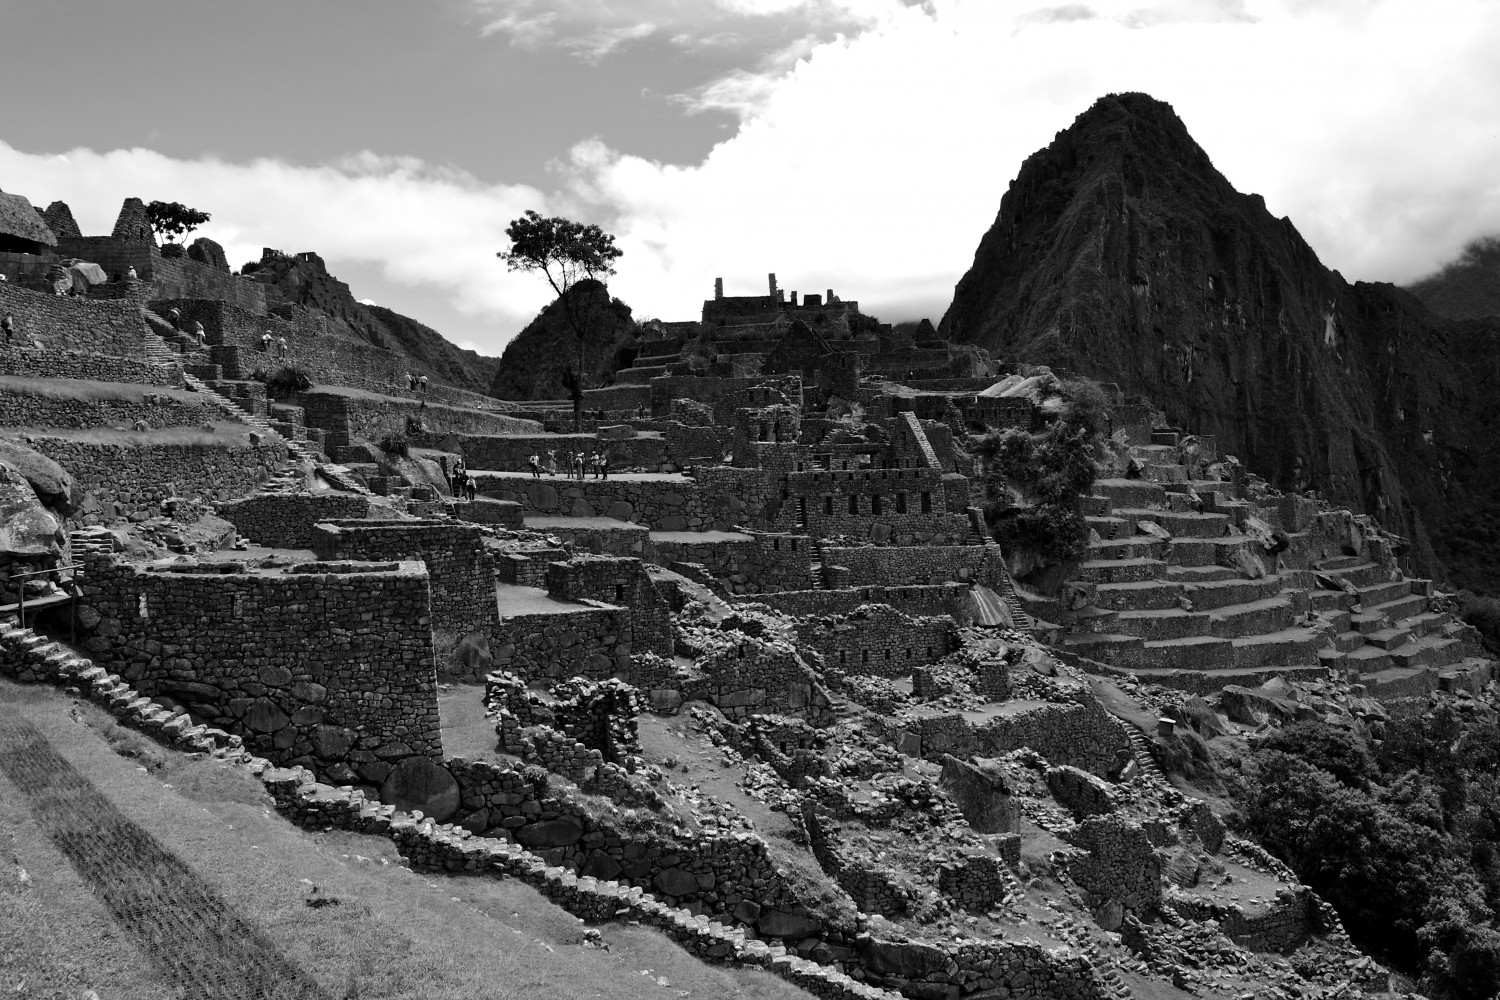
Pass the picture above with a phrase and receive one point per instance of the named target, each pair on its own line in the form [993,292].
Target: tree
[173,219]
[566,253]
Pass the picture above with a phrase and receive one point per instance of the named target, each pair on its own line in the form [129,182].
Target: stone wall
[285,521]
[460,569]
[285,660]
[346,417]
[1281,927]
[1078,733]
[29,406]
[1115,861]
[751,564]
[723,395]
[511,452]
[744,675]
[130,481]
[909,506]
[72,324]
[32,362]
[916,599]
[877,639]
[586,642]
[874,564]
[620,581]
[665,506]
[172,279]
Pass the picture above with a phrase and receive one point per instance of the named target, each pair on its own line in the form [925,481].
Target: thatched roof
[19,219]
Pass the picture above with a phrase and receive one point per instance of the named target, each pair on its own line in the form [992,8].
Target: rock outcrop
[1121,253]
[533,363]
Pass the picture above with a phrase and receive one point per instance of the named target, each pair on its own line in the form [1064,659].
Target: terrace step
[1102,646]
[1222,593]
[1388,638]
[1361,575]
[1207,551]
[1180,524]
[1111,527]
[1203,574]
[1121,570]
[1428,652]
[1330,600]
[1199,652]
[1368,659]
[1254,618]
[1173,623]
[1403,607]
[1146,595]
[1380,593]
[1132,493]
[1131,547]
[1292,645]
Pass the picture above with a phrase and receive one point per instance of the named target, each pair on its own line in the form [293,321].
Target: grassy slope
[394,933]
[87,390]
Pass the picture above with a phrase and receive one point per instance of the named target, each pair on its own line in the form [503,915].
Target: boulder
[675,882]
[561,832]
[1203,718]
[1079,791]
[906,959]
[982,795]
[54,487]
[28,531]
[421,783]
[616,432]
[1251,707]
[780,923]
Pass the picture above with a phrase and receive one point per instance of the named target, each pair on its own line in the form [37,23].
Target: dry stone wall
[285,521]
[915,599]
[757,563]
[33,362]
[1115,861]
[459,567]
[112,328]
[665,506]
[130,481]
[512,452]
[877,639]
[346,417]
[928,564]
[330,666]
[1080,733]
[24,407]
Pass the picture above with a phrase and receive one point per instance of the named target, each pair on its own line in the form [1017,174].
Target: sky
[858,145]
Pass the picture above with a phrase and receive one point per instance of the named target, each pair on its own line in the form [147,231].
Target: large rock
[675,882]
[28,531]
[1079,791]
[982,795]
[53,485]
[421,783]
[780,923]
[906,959]
[561,832]
[1251,707]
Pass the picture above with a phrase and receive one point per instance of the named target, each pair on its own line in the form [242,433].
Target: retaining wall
[282,521]
[33,362]
[65,323]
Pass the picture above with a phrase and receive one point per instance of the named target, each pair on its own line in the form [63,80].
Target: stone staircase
[1179,589]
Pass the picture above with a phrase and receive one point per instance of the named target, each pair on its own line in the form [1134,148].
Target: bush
[394,445]
[172,251]
[287,381]
[414,425]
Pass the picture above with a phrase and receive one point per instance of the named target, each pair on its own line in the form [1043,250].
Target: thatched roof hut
[21,228]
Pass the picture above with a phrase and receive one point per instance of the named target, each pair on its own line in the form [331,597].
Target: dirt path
[177,920]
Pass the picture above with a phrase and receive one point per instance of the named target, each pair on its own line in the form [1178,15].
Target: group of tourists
[199,336]
[418,384]
[573,464]
[461,481]
[267,341]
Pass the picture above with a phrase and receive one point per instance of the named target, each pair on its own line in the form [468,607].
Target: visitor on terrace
[551,461]
[175,318]
[198,333]
[8,324]
[281,345]
[470,487]
[604,465]
[265,342]
[536,466]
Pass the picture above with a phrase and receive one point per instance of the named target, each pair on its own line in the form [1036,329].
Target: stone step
[1222,593]
[1403,607]
[1210,682]
[1337,564]
[1173,623]
[1132,547]
[1102,646]
[1292,645]
[1111,527]
[1366,622]
[1425,623]
[1167,438]
[1379,593]
[1133,493]
[1179,524]
[1336,621]
[1166,474]
[1271,614]
[1388,638]
[1330,600]
[1207,551]
[1147,595]
[1367,659]
[1201,652]
[1203,574]
[1361,575]
[1121,570]
[1430,651]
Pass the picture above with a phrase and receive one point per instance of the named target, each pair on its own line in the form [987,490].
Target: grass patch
[88,391]
[226,434]
[394,935]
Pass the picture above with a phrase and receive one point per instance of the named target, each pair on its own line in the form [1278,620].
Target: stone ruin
[785,584]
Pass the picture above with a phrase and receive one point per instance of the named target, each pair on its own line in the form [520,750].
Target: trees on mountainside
[566,253]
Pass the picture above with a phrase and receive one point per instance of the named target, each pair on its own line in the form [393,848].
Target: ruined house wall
[916,599]
[282,521]
[487,450]
[665,506]
[744,676]
[130,480]
[762,563]
[1078,733]
[882,503]
[174,279]
[461,570]
[1117,862]
[621,581]
[1281,928]
[873,564]
[112,328]
[284,660]
[594,643]
[877,640]
[724,395]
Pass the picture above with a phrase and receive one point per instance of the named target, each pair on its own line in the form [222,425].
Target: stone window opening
[619,593]
[908,652]
[929,652]
[801,516]
[843,656]
[776,545]
[864,656]
[900,503]
[875,504]
[926,502]
[853,503]
[828,506]
[888,656]
[803,504]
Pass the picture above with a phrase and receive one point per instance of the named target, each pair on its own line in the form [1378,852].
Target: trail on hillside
[176,918]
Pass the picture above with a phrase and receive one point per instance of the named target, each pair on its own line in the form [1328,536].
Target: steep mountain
[533,363]
[1467,288]
[1121,253]
[304,280]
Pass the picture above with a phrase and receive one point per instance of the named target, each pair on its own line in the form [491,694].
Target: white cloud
[874,163]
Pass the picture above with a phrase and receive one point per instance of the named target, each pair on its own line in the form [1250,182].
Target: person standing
[551,461]
[175,318]
[8,324]
[265,342]
[281,346]
[470,487]
[604,464]
[594,465]
[198,334]
[536,466]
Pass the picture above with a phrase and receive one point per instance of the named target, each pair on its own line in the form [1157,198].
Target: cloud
[421,225]
[874,162]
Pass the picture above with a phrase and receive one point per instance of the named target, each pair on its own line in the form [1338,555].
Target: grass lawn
[226,434]
[87,390]
[391,934]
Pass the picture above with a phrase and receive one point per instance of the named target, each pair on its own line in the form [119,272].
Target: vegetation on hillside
[1401,835]
[1033,481]
[536,362]
[1468,287]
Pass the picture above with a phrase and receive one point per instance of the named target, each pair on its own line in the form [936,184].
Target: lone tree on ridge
[566,253]
[173,219]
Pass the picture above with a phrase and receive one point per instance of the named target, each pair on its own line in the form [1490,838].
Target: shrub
[394,445]
[414,425]
[287,381]
[172,251]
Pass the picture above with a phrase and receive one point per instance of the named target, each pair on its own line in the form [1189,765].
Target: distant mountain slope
[304,279]
[1469,287]
[1121,253]
[533,363]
